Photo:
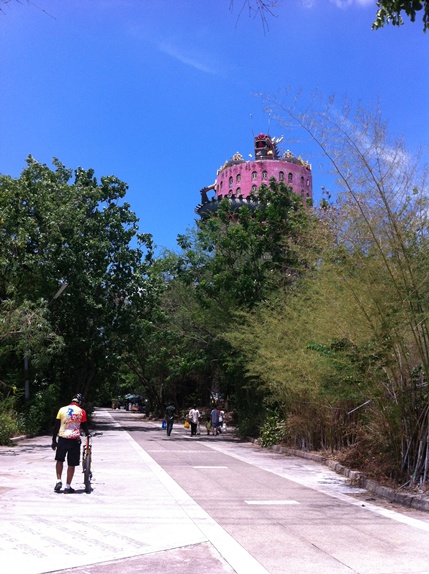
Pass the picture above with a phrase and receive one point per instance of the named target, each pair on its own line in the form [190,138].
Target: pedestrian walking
[221,415]
[214,420]
[67,427]
[169,416]
[194,418]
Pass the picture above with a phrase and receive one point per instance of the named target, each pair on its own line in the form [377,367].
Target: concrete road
[205,504]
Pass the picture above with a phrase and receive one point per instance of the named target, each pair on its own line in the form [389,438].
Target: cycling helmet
[79,399]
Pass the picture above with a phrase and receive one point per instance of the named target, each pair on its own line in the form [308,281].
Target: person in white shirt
[221,414]
[194,418]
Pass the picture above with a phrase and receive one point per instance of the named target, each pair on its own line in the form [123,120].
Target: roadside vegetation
[310,322]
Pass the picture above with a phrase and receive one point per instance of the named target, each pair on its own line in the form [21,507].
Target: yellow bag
[186,425]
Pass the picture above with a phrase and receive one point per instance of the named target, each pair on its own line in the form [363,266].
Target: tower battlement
[238,179]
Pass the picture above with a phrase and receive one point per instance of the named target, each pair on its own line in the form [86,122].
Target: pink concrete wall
[243,178]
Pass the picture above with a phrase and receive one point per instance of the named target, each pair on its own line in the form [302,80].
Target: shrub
[42,410]
[246,426]
[272,430]
[11,423]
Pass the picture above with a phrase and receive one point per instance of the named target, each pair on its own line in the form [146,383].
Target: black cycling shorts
[69,447]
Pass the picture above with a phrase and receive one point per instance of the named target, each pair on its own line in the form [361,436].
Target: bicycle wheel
[87,472]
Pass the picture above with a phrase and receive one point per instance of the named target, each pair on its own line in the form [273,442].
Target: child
[208,424]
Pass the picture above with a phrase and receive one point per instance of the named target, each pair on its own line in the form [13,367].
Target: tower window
[254,175]
[289,177]
[308,183]
[264,175]
[281,176]
[238,190]
[254,188]
[231,181]
[302,181]
[238,177]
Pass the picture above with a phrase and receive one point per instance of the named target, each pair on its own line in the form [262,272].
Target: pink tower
[237,178]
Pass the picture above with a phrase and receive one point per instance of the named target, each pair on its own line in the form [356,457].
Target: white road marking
[270,502]
[210,466]
[171,451]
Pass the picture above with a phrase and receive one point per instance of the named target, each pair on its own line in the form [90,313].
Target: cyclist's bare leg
[70,474]
[59,469]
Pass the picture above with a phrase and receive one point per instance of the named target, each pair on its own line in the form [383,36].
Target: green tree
[63,226]
[231,262]
[389,11]
[236,258]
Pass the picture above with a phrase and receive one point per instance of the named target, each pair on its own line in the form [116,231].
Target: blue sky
[161,92]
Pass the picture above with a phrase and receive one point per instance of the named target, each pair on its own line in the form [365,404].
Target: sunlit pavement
[155,505]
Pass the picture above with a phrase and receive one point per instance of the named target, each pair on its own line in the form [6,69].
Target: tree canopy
[390,12]
[65,227]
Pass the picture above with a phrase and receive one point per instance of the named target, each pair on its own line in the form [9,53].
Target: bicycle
[87,461]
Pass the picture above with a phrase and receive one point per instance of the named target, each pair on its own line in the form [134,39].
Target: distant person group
[214,422]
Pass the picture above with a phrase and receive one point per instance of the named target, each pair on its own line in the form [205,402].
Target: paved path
[209,504]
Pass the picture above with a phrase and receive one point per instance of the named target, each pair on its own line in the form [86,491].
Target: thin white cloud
[348,3]
[184,58]
[339,3]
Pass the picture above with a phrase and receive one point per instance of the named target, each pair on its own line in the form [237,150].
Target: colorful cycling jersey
[71,417]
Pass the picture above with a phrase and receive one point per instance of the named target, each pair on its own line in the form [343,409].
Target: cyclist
[67,426]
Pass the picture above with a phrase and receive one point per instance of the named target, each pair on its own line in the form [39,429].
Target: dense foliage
[309,324]
[231,263]
[347,356]
[389,11]
[68,230]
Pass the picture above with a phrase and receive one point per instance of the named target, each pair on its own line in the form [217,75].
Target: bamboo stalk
[416,466]
[427,456]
